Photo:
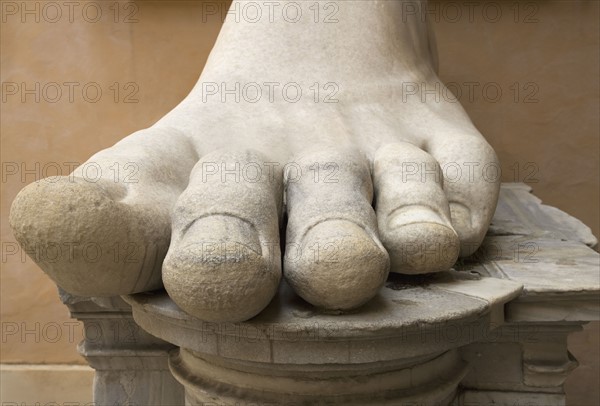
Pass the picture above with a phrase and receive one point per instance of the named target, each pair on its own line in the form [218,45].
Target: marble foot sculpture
[323,151]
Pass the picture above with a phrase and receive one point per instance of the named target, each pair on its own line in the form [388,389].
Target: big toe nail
[337,266]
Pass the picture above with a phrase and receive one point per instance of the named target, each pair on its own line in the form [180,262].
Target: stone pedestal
[491,331]
[526,361]
[401,347]
[131,365]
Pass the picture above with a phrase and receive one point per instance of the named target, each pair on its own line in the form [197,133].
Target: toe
[217,271]
[338,266]
[87,240]
[334,259]
[471,183]
[224,262]
[104,230]
[412,210]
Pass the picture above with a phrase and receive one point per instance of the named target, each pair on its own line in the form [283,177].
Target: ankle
[348,40]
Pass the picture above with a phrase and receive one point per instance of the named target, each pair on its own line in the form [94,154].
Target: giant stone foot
[370,178]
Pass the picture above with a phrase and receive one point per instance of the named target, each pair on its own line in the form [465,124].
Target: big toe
[87,239]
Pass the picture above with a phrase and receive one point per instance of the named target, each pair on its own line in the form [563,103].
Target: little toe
[412,210]
[471,183]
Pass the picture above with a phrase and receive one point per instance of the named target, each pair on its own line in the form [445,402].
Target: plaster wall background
[543,56]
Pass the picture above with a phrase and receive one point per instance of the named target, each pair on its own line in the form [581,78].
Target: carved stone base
[226,382]
[131,365]
[401,348]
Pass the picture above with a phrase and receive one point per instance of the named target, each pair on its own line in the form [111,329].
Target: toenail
[217,271]
[235,236]
[415,214]
[341,265]
[339,228]
[461,215]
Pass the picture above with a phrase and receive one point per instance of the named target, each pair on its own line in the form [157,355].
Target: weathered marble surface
[388,178]
[547,251]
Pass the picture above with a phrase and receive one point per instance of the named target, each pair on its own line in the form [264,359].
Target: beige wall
[549,138]
[546,133]
[160,56]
